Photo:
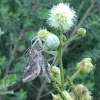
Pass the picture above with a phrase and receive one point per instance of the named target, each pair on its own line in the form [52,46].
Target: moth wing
[45,69]
[32,70]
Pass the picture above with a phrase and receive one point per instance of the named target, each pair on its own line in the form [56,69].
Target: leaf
[7,81]
[1,32]
[6,92]
[0,72]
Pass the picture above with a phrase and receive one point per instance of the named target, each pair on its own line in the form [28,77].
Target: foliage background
[21,19]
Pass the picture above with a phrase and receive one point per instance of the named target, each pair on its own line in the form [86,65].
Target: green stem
[72,86]
[60,60]
[54,79]
[73,77]
[71,39]
[59,91]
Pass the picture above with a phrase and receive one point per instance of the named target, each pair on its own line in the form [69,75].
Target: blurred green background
[21,19]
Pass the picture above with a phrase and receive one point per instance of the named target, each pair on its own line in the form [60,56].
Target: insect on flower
[36,64]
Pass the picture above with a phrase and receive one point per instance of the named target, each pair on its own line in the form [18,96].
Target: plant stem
[60,61]
[72,86]
[73,77]
[71,39]
[54,79]
[59,91]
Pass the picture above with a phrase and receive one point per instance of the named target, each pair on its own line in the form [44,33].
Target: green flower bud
[81,32]
[85,66]
[55,71]
[42,33]
[64,38]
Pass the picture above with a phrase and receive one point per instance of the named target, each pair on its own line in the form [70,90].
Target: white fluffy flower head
[61,16]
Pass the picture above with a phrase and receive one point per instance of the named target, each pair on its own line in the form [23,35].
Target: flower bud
[56,73]
[42,33]
[81,32]
[64,38]
[85,66]
[82,92]
[52,41]
[58,97]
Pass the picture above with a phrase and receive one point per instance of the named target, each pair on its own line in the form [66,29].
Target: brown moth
[36,64]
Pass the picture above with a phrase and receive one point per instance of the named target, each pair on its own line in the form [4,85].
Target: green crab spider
[49,45]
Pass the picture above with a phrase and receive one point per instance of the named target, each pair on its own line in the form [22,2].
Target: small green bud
[55,71]
[42,33]
[81,32]
[64,38]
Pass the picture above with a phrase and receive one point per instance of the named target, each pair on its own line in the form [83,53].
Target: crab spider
[48,45]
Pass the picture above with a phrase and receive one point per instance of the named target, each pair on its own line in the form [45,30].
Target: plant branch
[59,91]
[41,90]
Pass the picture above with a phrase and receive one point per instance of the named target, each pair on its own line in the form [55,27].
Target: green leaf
[7,81]
[6,92]
[1,32]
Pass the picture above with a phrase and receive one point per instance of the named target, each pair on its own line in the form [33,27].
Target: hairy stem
[72,86]
[59,91]
[60,61]
[54,79]
[73,77]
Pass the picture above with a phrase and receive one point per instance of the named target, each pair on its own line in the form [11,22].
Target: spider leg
[34,43]
[40,42]
[50,59]
[54,53]
[34,39]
